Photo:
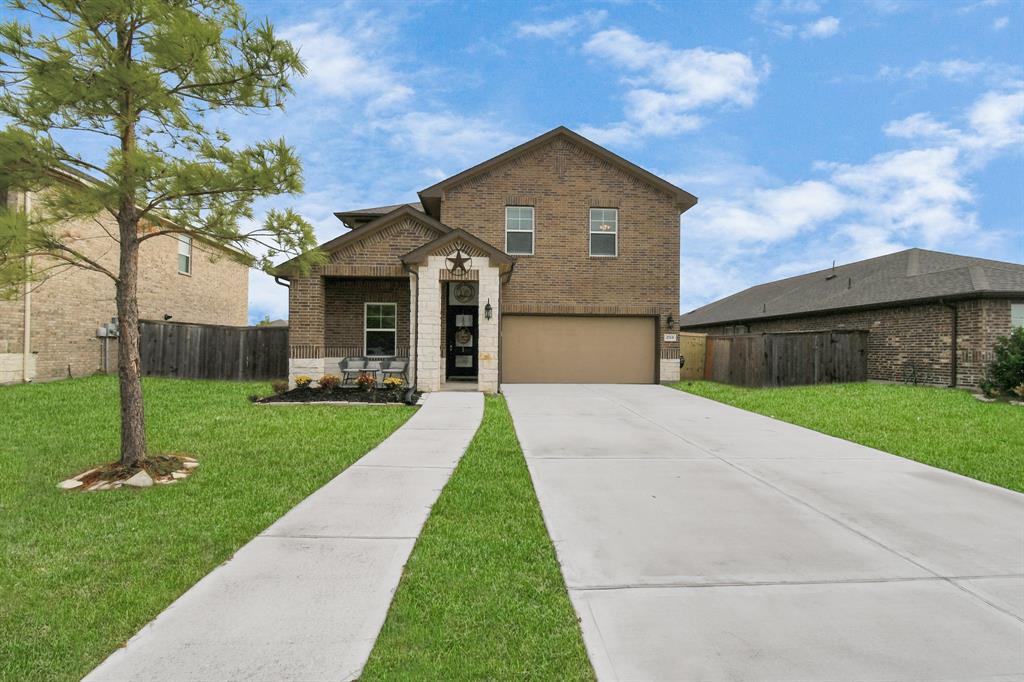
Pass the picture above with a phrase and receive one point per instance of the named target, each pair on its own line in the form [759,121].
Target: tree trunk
[129,364]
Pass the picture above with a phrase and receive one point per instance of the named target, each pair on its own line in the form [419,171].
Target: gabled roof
[374,226]
[910,276]
[431,196]
[421,253]
[361,216]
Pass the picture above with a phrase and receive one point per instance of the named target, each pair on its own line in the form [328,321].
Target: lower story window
[380,328]
[1016,315]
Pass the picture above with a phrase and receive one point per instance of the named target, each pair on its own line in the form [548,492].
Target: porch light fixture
[669,321]
[488,309]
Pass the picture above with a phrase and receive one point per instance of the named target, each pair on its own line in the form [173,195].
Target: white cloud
[820,28]
[959,71]
[667,85]
[918,196]
[342,66]
[1000,23]
[767,12]
[455,138]
[560,28]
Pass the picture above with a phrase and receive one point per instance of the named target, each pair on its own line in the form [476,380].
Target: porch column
[489,289]
[428,329]
[306,327]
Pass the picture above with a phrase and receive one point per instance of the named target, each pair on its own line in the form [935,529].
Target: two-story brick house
[556,261]
[49,329]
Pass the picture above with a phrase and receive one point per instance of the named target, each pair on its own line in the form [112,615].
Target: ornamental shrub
[302,380]
[278,387]
[329,382]
[1006,373]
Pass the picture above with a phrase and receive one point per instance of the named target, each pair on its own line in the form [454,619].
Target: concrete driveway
[704,542]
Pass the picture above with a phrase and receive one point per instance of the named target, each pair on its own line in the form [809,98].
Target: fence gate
[209,351]
[691,352]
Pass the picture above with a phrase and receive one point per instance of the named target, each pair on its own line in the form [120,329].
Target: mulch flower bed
[347,394]
[154,469]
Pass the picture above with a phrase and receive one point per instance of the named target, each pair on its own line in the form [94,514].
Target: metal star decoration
[458,263]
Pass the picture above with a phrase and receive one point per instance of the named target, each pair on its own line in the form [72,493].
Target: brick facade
[562,181]
[71,303]
[909,341]
[344,301]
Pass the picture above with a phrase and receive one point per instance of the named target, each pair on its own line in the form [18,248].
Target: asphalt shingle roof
[902,277]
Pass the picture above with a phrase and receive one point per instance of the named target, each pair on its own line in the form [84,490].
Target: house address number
[671,337]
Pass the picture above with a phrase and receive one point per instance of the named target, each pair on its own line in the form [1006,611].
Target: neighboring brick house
[187,280]
[933,317]
[574,275]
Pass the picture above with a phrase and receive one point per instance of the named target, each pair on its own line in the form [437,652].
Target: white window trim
[1019,307]
[184,240]
[592,231]
[532,231]
[366,329]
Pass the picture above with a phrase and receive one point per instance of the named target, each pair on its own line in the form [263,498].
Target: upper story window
[380,328]
[604,232]
[1016,315]
[184,254]
[519,230]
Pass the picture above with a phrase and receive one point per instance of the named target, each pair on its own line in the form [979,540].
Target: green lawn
[482,596]
[80,573]
[941,427]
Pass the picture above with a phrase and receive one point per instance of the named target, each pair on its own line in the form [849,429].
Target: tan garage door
[577,350]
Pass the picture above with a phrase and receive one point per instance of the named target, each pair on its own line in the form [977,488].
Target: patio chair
[396,368]
[351,368]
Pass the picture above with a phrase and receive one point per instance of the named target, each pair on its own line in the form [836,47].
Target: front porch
[444,320]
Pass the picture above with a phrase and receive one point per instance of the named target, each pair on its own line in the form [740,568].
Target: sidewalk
[305,599]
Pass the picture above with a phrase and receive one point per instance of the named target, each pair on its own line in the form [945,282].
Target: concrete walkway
[305,600]
[703,542]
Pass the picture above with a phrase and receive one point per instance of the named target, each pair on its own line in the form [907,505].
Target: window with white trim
[1016,315]
[604,232]
[380,328]
[519,230]
[184,254]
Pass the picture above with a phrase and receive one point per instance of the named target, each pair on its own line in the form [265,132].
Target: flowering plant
[302,380]
[366,381]
[393,382]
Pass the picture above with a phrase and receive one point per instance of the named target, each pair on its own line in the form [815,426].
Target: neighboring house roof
[361,216]
[431,196]
[496,255]
[914,275]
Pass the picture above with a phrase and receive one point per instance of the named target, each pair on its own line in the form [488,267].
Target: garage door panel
[540,349]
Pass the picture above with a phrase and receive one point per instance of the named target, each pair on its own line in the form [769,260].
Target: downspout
[26,344]
[953,342]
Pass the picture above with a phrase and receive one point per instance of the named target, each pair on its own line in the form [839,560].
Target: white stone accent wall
[669,370]
[312,367]
[426,338]
[428,331]
[487,363]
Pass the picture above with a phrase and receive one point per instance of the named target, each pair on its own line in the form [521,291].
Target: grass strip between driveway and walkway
[482,596]
[81,572]
[941,427]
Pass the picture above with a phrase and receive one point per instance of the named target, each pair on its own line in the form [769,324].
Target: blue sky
[811,131]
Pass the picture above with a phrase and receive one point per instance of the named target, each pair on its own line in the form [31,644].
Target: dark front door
[462,341]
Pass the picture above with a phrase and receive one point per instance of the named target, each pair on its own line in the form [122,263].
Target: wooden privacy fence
[209,351]
[787,359]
